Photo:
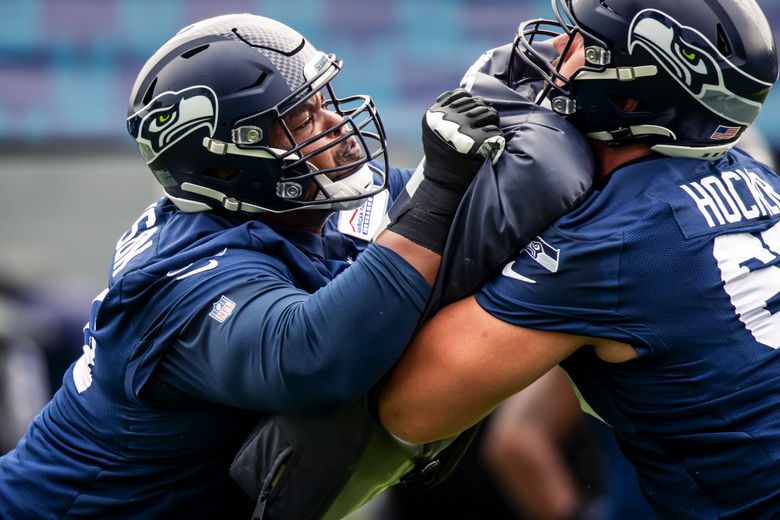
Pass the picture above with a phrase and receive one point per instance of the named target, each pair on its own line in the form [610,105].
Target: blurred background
[71,179]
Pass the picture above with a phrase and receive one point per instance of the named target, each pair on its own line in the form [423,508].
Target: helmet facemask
[342,186]
[533,45]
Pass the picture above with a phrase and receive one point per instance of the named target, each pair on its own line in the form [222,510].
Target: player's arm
[460,366]
[285,350]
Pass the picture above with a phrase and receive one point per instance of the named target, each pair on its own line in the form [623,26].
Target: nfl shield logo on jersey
[222,309]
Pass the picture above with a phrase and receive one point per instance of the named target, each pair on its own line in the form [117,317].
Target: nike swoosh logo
[510,273]
[212,264]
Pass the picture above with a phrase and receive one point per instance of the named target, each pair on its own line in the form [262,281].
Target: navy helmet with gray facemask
[202,108]
[698,70]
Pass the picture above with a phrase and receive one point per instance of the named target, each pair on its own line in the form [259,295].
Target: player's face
[574,57]
[313,118]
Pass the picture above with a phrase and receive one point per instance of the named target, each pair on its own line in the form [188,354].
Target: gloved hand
[458,132]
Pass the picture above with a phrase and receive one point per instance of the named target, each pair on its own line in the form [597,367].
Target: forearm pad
[427,216]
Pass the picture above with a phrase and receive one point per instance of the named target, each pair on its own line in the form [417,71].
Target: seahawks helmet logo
[691,59]
[170,117]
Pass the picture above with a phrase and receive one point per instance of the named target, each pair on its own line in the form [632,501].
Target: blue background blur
[68,65]
[71,178]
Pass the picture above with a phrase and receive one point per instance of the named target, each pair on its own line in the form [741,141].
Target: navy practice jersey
[241,320]
[678,258]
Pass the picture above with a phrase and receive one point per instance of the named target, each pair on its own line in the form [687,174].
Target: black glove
[458,132]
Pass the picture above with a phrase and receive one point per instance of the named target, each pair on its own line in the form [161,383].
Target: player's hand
[458,132]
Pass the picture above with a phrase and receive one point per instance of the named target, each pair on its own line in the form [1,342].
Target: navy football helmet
[203,106]
[699,70]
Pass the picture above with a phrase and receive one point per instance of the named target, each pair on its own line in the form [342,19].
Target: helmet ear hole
[625,104]
[222,174]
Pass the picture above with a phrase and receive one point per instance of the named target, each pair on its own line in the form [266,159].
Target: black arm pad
[426,218]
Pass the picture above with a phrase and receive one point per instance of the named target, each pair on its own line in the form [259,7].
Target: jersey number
[749,268]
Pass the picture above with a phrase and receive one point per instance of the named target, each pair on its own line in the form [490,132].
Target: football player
[659,294]
[230,297]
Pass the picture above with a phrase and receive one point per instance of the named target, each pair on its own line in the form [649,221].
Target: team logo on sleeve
[222,309]
[172,116]
[542,253]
